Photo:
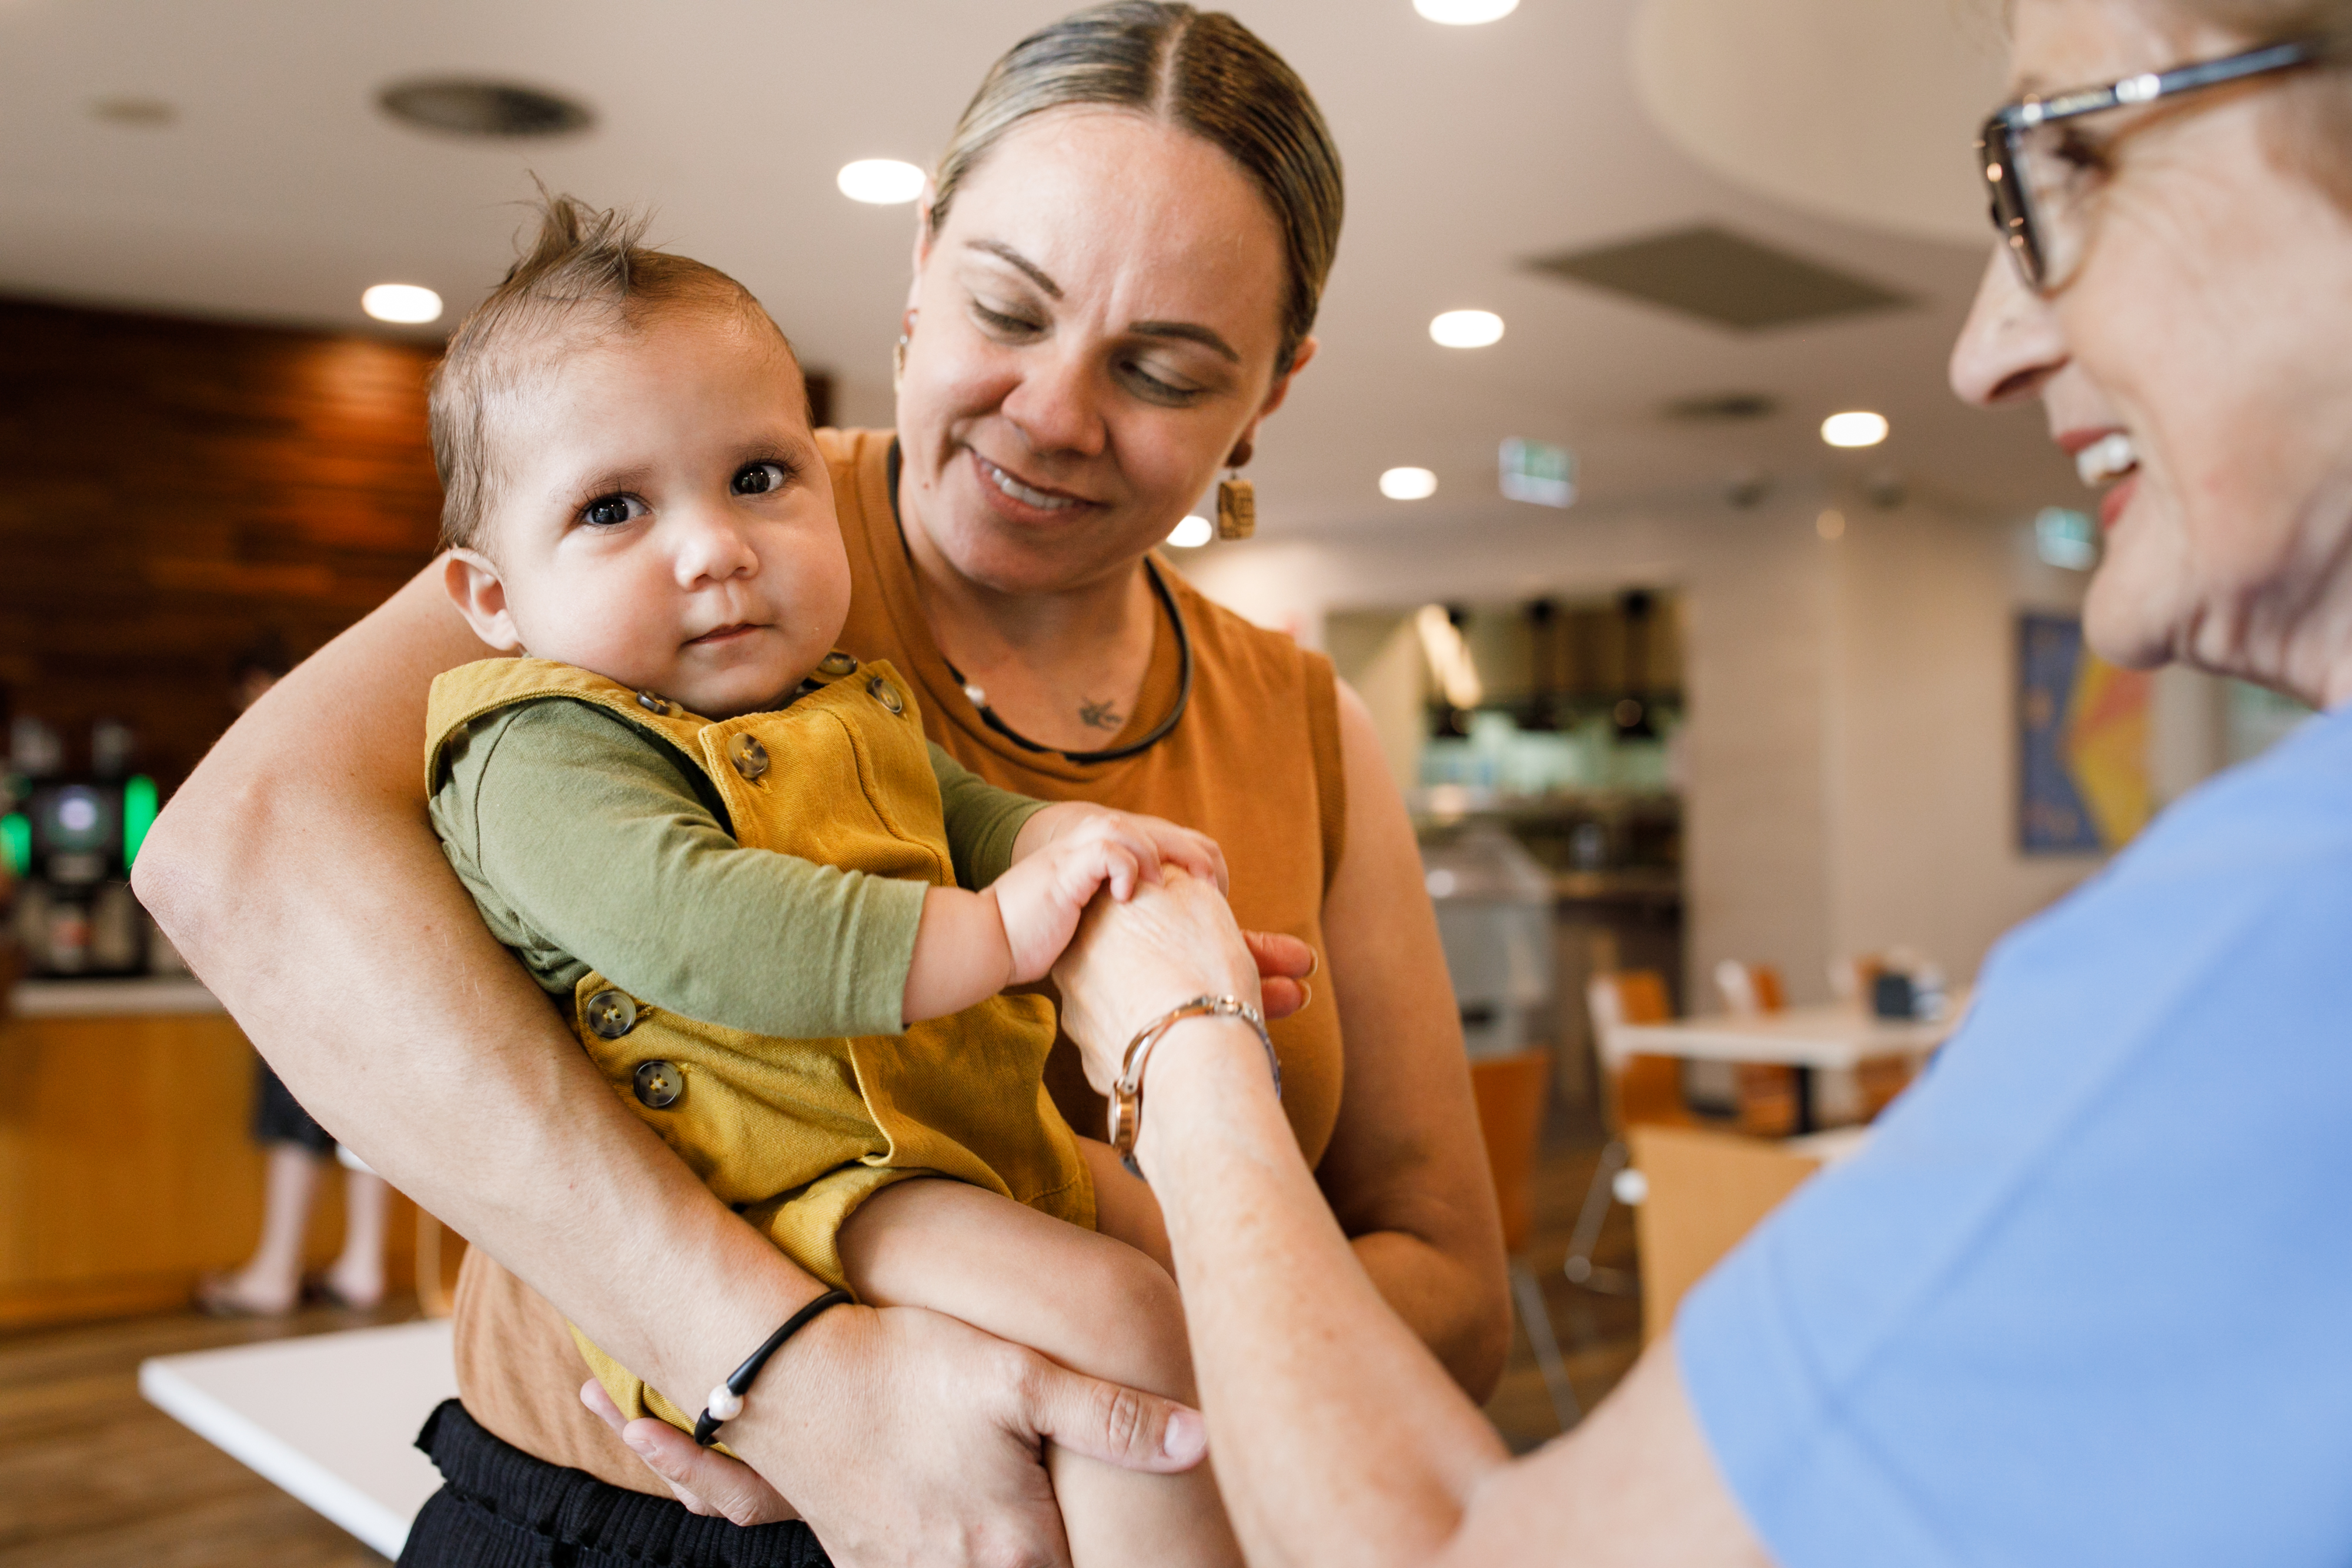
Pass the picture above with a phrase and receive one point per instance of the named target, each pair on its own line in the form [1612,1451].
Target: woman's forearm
[296,872]
[1337,1439]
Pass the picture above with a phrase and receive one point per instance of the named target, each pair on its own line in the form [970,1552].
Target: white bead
[725,1404]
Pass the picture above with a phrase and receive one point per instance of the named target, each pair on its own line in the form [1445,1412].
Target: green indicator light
[138,814]
[17,838]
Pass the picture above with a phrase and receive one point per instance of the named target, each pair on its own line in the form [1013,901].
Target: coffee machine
[71,839]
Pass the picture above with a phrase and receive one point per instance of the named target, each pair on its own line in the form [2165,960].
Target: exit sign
[1537,471]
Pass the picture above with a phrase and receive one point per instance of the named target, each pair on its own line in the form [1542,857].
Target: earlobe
[474,586]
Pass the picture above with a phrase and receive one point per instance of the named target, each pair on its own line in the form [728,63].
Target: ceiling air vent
[461,106]
[1721,277]
[1723,408]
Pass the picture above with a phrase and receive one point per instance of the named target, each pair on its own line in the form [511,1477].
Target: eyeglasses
[2036,170]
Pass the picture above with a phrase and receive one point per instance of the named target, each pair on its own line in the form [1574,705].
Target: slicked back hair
[587,276]
[1199,69]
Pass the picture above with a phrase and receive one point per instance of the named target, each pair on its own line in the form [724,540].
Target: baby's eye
[611,511]
[761,478]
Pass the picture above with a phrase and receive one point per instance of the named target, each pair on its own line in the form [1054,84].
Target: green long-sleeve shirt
[589,844]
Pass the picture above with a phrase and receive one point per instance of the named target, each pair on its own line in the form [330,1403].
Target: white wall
[1923,742]
[1850,744]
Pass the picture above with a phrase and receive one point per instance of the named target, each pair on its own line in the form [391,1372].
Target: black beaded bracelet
[727,1399]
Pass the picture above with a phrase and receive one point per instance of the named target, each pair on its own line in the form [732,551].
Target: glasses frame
[2014,215]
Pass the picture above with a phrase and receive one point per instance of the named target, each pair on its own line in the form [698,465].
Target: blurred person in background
[299,1153]
[2083,1297]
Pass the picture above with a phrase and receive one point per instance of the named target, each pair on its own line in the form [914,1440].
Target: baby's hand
[1039,899]
[1149,840]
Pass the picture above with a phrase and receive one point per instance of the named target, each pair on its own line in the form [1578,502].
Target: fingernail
[1306,995]
[1314,960]
[1186,1436]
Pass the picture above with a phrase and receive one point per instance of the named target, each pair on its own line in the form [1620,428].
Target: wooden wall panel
[176,489]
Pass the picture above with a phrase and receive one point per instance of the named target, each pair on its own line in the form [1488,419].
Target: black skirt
[278,1117]
[500,1508]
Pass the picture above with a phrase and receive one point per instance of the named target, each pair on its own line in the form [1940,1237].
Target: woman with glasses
[2087,1295]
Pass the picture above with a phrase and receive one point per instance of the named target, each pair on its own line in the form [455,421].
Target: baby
[778,919]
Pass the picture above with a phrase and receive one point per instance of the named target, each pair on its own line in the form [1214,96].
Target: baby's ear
[475,587]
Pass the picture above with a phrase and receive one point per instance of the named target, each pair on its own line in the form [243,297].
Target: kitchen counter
[142,996]
[127,1163]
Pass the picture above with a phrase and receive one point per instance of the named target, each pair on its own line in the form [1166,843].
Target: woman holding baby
[1115,277]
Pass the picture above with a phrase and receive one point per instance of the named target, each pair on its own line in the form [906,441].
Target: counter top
[146,995]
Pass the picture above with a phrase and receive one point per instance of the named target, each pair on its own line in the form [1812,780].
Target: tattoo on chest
[1100,716]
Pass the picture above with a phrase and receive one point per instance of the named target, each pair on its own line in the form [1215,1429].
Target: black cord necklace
[978,698]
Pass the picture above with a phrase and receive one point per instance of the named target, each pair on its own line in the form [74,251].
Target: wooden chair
[1639,1089]
[1749,989]
[1761,1098]
[1510,1095]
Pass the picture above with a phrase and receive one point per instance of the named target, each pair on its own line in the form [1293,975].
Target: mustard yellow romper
[792,1133]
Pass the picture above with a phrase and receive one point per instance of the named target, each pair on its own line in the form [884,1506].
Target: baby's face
[664,518]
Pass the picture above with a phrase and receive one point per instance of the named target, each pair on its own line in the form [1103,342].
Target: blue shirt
[2087,1296]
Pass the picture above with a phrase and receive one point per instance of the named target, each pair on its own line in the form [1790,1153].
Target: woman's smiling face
[1097,325]
[2199,360]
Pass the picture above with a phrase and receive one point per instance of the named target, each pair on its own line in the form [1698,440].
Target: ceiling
[278,191]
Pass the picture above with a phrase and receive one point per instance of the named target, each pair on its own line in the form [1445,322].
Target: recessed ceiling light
[1857,427]
[1464,12]
[1192,532]
[883,182]
[402,302]
[1466,328]
[139,111]
[462,106]
[1408,483]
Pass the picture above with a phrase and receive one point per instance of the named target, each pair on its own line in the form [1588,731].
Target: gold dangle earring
[1236,497]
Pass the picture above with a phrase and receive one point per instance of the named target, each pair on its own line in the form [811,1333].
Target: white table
[331,1418]
[1837,1038]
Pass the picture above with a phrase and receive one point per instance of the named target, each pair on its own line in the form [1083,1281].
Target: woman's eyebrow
[1188,330]
[1013,257]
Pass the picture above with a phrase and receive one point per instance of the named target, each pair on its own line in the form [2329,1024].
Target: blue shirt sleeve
[2087,1296]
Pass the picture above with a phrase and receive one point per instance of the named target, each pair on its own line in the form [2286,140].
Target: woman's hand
[1131,962]
[929,1455]
[707,1482]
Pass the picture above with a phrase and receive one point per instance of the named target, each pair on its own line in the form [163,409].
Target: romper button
[837,664]
[652,703]
[750,758]
[610,1014]
[886,694]
[658,1085]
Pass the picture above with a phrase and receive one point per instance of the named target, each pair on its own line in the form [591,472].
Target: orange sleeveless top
[1253,762]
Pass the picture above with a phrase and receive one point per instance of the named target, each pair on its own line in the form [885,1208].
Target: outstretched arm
[296,872]
[1339,1437]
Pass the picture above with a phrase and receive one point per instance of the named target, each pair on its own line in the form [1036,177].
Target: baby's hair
[587,276]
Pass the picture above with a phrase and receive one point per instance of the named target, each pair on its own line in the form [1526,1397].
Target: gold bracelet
[1127,1094]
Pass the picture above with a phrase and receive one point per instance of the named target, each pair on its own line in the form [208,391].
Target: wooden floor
[1599,1335]
[94,1476]
[91,1476]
